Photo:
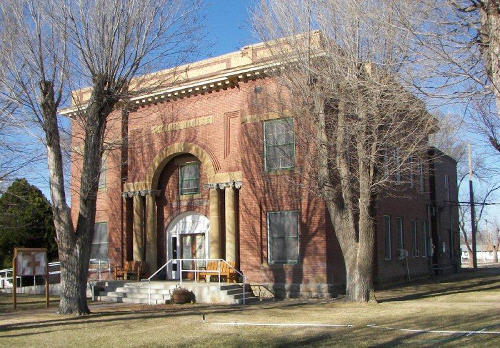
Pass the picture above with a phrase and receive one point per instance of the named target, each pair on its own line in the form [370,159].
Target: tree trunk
[74,246]
[74,281]
[72,299]
[471,263]
[495,253]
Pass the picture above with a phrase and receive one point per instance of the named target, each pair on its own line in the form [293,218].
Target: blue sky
[228,27]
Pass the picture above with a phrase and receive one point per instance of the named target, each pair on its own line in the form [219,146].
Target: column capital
[224,185]
[210,186]
[142,193]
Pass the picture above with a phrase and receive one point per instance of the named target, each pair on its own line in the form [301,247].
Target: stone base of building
[295,290]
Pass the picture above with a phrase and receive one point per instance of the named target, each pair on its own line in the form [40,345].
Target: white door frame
[176,229]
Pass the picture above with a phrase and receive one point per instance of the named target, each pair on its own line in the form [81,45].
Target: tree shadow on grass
[454,285]
[428,339]
[127,315]
[444,292]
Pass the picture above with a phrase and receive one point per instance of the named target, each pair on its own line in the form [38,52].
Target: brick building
[197,171]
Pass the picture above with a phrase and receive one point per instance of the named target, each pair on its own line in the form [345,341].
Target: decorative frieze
[194,122]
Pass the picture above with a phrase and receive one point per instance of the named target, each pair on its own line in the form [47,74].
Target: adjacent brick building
[197,170]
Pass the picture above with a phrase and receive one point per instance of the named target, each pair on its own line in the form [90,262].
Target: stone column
[230,212]
[151,239]
[138,229]
[215,245]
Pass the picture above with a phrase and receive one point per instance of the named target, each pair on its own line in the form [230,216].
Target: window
[387,234]
[410,166]
[397,165]
[400,232]
[279,144]
[102,174]
[283,236]
[420,174]
[424,239]
[447,188]
[99,247]
[189,178]
[415,238]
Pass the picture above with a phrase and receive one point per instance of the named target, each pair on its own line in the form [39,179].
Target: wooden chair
[131,268]
[225,271]
[211,266]
[121,272]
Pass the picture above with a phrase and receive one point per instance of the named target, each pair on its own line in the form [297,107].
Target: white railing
[197,270]
[55,268]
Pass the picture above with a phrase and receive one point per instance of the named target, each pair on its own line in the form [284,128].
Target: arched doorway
[187,238]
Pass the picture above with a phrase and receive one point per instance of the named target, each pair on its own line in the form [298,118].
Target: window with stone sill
[283,237]
[424,239]
[99,247]
[415,238]
[189,178]
[387,237]
[279,144]
[400,232]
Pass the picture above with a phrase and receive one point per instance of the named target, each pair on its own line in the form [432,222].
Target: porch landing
[138,292]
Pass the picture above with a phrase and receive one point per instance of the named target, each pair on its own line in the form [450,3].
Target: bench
[130,268]
[212,269]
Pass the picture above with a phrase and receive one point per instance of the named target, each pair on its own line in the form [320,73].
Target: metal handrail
[196,270]
[4,280]
[151,276]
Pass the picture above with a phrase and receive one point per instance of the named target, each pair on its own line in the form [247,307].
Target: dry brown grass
[464,302]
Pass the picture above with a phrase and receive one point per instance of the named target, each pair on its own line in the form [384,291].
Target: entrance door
[193,247]
[187,238]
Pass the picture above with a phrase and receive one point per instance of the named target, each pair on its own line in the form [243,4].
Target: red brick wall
[237,146]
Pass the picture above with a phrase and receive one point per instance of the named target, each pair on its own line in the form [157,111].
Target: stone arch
[165,155]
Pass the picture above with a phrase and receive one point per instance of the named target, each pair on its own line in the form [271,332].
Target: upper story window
[283,236]
[102,174]
[447,187]
[189,178]
[420,174]
[279,144]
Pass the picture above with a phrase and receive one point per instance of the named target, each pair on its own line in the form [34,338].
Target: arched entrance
[187,238]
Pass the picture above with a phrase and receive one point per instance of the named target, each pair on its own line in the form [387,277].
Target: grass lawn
[463,302]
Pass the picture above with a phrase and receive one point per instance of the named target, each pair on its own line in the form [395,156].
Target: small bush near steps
[181,295]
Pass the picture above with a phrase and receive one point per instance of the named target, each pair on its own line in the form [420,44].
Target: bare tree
[345,88]
[52,46]
[459,49]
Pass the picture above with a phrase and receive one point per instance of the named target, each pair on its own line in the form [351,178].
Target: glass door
[193,247]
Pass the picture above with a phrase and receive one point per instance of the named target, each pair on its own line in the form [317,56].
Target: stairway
[138,292]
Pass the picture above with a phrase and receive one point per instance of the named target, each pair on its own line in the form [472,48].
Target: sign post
[30,262]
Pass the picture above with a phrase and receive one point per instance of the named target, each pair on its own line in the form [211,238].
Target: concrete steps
[159,292]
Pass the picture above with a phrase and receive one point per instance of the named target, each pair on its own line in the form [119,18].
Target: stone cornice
[227,80]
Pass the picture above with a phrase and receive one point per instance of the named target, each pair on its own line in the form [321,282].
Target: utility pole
[472,212]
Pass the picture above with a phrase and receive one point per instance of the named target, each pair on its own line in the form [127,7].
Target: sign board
[30,262]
